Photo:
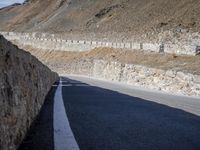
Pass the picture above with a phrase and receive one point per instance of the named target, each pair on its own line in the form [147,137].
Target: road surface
[100,115]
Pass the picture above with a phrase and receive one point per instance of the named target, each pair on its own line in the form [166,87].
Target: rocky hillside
[132,18]
[24,83]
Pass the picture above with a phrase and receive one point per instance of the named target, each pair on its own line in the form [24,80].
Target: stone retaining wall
[24,84]
[50,42]
[169,81]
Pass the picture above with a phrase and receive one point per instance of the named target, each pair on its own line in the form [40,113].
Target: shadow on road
[40,135]
[103,119]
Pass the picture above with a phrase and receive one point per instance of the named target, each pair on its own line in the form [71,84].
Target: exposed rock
[171,73]
[24,83]
[189,77]
[105,11]
[137,75]
[197,79]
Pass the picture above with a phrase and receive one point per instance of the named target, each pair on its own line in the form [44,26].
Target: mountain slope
[133,17]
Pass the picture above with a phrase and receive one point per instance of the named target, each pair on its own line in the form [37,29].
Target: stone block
[171,73]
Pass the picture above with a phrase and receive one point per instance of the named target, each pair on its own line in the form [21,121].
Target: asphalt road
[109,116]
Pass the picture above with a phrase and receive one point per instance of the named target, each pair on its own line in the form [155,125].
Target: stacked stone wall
[170,81]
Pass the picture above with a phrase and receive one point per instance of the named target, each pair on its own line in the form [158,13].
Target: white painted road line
[63,136]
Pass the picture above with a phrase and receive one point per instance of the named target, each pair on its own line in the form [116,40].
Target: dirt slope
[132,17]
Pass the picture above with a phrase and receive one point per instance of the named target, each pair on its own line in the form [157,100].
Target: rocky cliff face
[24,83]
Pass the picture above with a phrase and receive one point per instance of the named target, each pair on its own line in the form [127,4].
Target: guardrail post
[161,48]
[197,52]
[141,45]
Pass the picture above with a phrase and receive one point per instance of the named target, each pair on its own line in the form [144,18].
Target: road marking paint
[65,85]
[63,136]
